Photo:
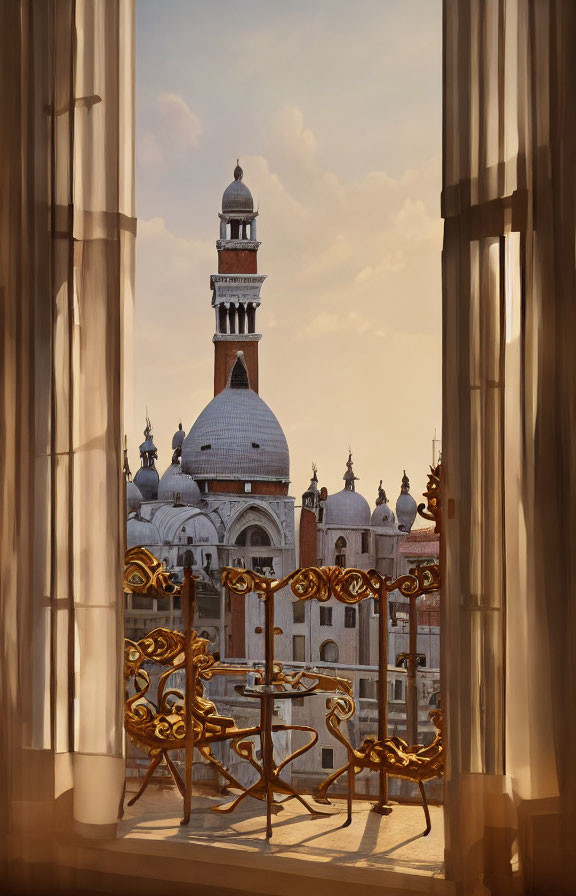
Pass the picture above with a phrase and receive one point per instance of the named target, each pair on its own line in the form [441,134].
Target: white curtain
[67,233]
[509,596]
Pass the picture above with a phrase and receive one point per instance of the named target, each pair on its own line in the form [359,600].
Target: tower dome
[147,476]
[236,436]
[146,479]
[178,486]
[347,508]
[237,197]
[406,507]
[133,497]
[382,515]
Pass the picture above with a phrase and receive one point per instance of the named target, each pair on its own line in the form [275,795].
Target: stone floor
[372,841]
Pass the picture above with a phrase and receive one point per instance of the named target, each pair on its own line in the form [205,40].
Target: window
[247,486]
[205,447]
[298,611]
[329,652]
[340,560]
[365,542]
[325,615]
[398,690]
[341,543]
[366,688]
[264,566]
[255,445]
[349,617]
[327,757]
[298,648]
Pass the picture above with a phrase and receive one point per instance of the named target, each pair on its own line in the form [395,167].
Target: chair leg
[122,798]
[151,769]
[426,810]
[350,777]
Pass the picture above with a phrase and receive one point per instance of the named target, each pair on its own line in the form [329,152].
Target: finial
[349,476]
[381,499]
[405,484]
[238,173]
[314,472]
[127,473]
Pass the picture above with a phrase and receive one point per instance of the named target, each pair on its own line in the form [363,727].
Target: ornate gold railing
[188,720]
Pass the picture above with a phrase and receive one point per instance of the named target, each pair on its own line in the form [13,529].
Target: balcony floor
[302,845]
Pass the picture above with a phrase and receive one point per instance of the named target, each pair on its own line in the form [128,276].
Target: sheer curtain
[509,612]
[67,233]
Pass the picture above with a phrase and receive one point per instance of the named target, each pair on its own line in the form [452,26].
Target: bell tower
[236,286]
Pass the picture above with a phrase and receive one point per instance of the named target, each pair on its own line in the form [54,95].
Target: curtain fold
[67,233]
[509,431]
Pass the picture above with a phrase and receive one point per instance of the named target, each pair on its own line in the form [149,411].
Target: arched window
[329,652]
[340,546]
[254,536]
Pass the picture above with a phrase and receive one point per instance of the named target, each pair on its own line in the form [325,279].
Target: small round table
[270,781]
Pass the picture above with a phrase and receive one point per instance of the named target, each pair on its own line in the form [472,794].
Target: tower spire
[236,287]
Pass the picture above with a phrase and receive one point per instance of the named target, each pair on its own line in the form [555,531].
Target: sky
[334,110]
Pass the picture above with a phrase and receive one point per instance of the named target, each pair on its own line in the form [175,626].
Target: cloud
[149,153]
[178,123]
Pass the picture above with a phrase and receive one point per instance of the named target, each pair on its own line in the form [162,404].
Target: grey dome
[175,482]
[147,481]
[133,497]
[406,509]
[236,437]
[237,198]
[383,516]
[347,508]
[141,533]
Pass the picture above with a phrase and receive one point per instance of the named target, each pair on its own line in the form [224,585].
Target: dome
[146,479]
[236,437]
[406,507]
[141,533]
[383,516]
[237,197]
[133,497]
[175,482]
[347,508]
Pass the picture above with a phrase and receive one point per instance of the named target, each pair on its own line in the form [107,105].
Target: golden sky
[335,112]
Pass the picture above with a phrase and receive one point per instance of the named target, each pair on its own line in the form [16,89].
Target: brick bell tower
[236,286]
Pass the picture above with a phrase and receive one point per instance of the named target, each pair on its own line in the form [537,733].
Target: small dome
[133,497]
[174,482]
[147,481]
[141,533]
[236,437]
[237,197]
[406,507]
[347,508]
[383,516]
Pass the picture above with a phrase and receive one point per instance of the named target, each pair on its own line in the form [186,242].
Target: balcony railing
[166,720]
